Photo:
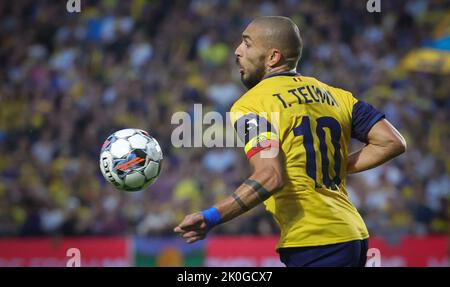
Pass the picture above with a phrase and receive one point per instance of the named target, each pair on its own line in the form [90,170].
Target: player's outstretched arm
[384,143]
[267,178]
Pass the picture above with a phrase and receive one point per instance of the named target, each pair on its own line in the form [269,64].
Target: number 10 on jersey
[304,129]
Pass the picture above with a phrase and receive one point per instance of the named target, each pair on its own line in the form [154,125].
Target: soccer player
[296,131]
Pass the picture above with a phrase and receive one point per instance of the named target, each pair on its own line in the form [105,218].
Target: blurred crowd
[68,80]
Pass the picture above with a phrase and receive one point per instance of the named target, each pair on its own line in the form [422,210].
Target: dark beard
[253,79]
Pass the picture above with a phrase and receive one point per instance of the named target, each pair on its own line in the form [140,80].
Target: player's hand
[192,228]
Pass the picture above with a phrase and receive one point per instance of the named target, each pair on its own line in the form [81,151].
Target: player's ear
[274,58]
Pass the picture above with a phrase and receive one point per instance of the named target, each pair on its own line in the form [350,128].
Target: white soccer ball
[131,159]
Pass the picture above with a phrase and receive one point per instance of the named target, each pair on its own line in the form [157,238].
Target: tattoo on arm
[263,194]
[240,202]
[247,196]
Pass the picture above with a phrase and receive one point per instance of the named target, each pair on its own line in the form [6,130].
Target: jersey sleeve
[364,117]
[254,130]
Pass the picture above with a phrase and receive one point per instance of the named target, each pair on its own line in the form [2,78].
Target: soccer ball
[130,159]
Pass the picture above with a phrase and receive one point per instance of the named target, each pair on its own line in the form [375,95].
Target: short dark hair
[283,34]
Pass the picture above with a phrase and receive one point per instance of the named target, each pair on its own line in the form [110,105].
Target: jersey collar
[287,73]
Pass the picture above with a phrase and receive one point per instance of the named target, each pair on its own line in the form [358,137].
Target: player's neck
[278,70]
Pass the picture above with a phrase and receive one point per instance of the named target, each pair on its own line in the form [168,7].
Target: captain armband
[256,132]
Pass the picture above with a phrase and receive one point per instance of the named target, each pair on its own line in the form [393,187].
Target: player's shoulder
[249,101]
[240,104]
[239,108]
[325,85]
[341,95]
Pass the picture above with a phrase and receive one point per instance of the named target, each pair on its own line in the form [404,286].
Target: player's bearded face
[252,71]
[250,57]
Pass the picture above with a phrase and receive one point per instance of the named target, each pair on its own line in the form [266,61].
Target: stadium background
[67,80]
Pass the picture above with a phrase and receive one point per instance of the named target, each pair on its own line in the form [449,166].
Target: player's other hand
[192,228]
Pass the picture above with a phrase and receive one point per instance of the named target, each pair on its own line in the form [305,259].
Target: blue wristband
[212,217]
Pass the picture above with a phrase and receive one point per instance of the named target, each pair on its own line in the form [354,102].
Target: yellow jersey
[312,123]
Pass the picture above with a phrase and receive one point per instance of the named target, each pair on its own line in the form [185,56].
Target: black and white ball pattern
[130,159]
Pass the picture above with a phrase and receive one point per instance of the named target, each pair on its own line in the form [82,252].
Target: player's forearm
[372,156]
[242,200]
[252,192]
